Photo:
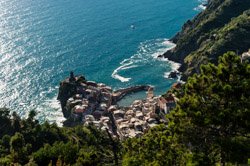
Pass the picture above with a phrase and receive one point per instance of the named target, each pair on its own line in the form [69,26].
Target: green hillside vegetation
[233,36]
[209,126]
[223,26]
[26,142]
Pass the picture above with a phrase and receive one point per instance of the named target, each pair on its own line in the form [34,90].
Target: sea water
[111,41]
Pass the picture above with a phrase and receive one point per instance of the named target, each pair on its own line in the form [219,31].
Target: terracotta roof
[79,109]
[176,85]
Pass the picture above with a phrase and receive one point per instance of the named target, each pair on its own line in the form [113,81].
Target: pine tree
[215,111]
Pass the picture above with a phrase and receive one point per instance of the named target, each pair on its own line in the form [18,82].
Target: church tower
[150,93]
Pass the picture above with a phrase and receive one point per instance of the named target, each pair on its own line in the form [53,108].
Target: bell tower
[150,93]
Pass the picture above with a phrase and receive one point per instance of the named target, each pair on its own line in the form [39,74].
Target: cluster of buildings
[92,104]
[90,99]
[137,119]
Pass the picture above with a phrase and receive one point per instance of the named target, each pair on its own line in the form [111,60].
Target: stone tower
[150,93]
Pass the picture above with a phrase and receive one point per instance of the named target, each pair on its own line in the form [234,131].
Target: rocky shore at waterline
[90,103]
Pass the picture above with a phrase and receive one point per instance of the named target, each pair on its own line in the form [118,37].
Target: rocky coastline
[210,34]
[89,103]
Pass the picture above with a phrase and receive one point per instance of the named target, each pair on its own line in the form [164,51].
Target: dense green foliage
[25,141]
[210,124]
[223,26]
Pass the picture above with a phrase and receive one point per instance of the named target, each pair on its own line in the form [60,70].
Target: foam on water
[174,66]
[52,113]
[123,66]
[148,52]
[41,41]
[201,6]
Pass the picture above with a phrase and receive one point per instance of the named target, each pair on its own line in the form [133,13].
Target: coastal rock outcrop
[90,103]
[79,97]
[173,74]
[67,89]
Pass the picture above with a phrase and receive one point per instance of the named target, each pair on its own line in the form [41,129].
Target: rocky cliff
[67,89]
[223,26]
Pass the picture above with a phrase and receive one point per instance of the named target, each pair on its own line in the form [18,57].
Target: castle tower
[150,93]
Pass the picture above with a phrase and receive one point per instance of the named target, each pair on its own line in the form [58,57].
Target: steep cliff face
[67,89]
[223,26]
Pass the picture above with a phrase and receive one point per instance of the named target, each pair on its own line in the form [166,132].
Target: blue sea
[111,41]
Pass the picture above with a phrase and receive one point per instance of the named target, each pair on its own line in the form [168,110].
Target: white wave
[147,52]
[54,107]
[169,45]
[174,66]
[115,74]
[118,77]
[50,109]
[129,67]
[201,6]
[166,74]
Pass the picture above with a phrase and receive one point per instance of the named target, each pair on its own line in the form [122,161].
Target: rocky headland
[223,26]
[90,103]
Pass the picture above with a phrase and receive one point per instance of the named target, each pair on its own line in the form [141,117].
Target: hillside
[210,126]
[223,26]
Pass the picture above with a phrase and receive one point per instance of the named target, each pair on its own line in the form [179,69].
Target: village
[91,103]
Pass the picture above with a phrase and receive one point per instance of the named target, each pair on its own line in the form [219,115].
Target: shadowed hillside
[223,26]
